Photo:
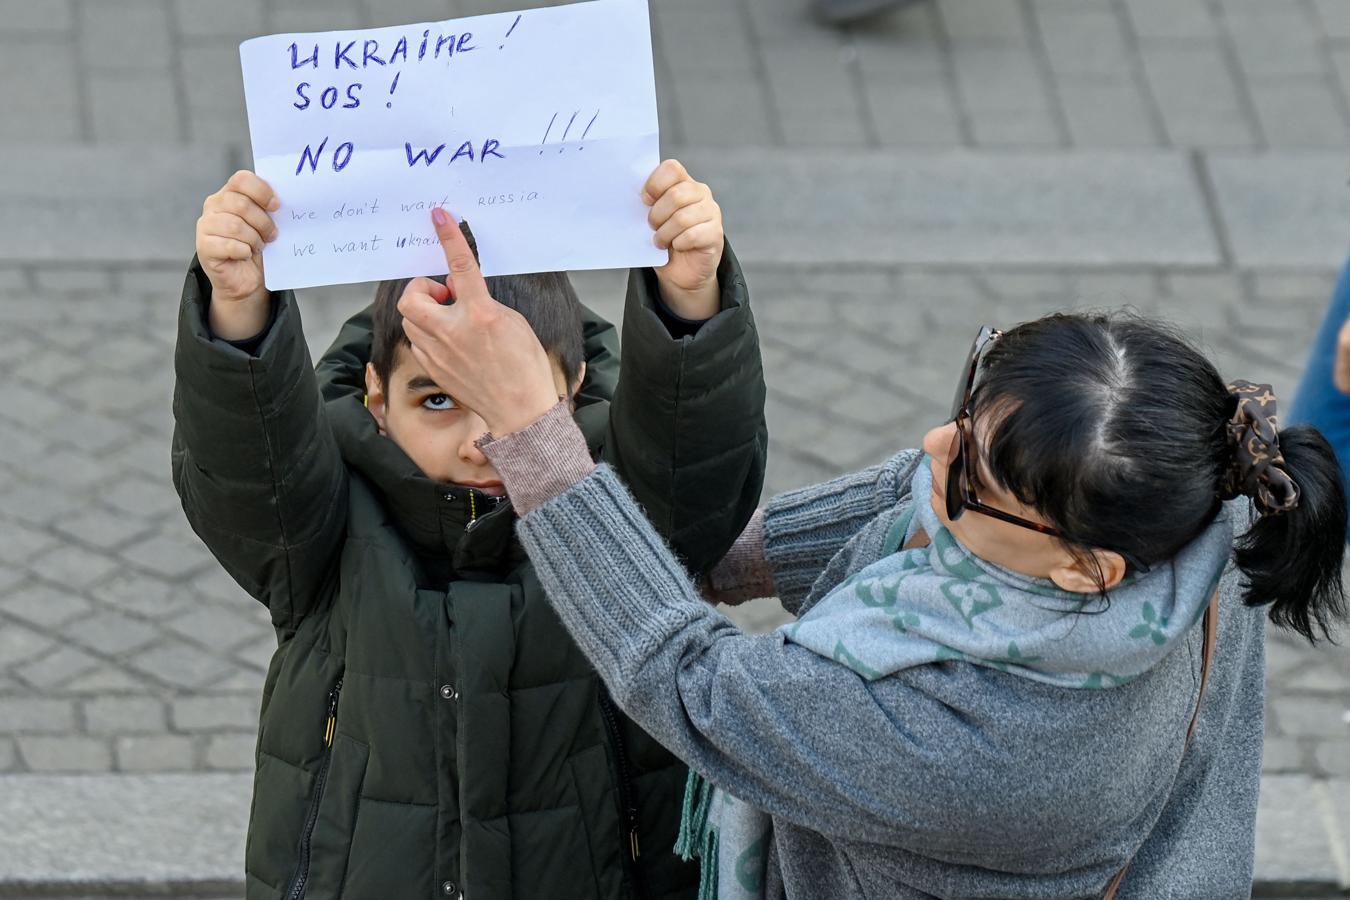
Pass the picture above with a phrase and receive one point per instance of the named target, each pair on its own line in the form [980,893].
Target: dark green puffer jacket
[428,728]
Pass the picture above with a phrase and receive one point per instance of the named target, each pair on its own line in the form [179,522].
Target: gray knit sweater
[945,780]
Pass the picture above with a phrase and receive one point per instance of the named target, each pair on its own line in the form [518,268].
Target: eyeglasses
[960,486]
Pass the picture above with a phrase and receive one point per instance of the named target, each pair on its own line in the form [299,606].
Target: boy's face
[435,433]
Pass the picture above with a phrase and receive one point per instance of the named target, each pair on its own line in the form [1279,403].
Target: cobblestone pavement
[982,73]
[124,648]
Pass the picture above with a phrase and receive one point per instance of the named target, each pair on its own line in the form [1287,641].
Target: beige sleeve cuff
[541,461]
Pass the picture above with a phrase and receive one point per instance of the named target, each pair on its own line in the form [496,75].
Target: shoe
[844,12]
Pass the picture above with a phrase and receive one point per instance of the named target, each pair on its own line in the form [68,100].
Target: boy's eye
[439,402]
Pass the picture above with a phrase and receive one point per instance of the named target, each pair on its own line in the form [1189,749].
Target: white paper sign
[538,127]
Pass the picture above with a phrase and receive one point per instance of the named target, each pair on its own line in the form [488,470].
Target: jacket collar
[456,531]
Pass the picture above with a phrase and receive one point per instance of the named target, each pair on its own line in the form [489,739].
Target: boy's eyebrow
[422,383]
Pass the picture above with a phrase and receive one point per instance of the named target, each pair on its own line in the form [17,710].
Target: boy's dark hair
[1116,429]
[547,300]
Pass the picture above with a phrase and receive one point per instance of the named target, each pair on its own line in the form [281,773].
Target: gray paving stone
[216,713]
[1285,286]
[54,670]
[1196,95]
[332,17]
[140,594]
[1292,842]
[723,111]
[220,627]
[65,754]
[9,756]
[1007,128]
[1107,113]
[67,280]
[107,680]
[842,127]
[1311,716]
[1302,112]
[1273,39]
[217,84]
[100,528]
[32,715]
[44,605]
[145,198]
[1334,18]
[257,654]
[1305,192]
[74,567]
[135,107]
[142,497]
[1282,756]
[21,16]
[19,643]
[22,542]
[231,752]
[38,109]
[181,665]
[154,753]
[999,77]
[186,832]
[128,34]
[123,715]
[723,45]
[15,280]
[982,20]
[168,555]
[1023,209]
[1333,758]
[1171,18]
[204,18]
[913,112]
[111,633]
[1084,40]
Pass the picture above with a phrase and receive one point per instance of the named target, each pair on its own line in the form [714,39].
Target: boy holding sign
[428,728]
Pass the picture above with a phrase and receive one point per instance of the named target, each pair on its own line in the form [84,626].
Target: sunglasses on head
[960,485]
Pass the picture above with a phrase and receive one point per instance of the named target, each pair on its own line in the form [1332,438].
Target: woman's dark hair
[547,300]
[1115,429]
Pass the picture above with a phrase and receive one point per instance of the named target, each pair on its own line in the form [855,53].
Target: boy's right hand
[234,225]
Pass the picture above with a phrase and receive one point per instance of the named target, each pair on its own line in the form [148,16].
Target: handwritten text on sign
[539,127]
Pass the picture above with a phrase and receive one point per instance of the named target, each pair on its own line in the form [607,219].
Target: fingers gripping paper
[539,127]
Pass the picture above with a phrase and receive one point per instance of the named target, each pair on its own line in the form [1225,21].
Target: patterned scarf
[939,603]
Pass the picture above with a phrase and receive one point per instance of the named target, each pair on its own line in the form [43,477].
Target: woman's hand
[688,222]
[479,352]
[234,225]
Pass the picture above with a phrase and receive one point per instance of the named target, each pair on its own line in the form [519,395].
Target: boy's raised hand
[235,223]
[484,355]
[687,222]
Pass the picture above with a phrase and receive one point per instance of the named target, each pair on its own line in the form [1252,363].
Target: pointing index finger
[465,277]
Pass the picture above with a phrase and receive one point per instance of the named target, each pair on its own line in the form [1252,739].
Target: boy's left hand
[688,222]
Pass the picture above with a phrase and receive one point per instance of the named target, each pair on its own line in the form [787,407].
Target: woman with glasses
[1029,659]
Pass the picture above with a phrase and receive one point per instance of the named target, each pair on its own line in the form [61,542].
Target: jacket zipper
[311,819]
[626,791]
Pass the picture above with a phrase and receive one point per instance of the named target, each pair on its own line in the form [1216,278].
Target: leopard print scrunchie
[1258,466]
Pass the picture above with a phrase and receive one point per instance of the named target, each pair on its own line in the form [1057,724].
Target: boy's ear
[578,381]
[1079,575]
[376,401]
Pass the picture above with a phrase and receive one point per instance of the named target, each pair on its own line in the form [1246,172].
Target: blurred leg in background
[844,12]
[1323,398]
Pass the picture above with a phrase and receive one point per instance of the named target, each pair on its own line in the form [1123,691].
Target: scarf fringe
[697,839]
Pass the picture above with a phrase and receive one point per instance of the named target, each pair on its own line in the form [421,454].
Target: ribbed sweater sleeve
[783,728]
[805,528]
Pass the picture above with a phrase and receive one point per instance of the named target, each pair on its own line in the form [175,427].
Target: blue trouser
[1318,402]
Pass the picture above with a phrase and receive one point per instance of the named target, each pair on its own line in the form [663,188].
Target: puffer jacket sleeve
[254,463]
[687,431]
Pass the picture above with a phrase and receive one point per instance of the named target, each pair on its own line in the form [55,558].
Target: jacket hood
[456,530]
